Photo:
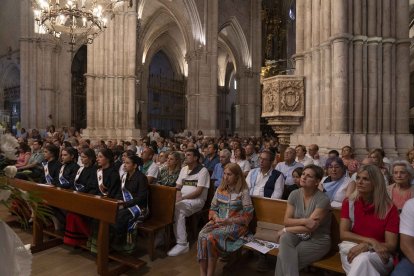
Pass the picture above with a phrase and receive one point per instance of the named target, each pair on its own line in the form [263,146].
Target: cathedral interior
[334,72]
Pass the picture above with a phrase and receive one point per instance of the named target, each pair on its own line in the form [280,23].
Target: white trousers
[366,264]
[183,209]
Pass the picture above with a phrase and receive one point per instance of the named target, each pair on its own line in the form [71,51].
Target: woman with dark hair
[369,226]
[306,236]
[69,168]
[337,185]
[24,155]
[109,182]
[240,159]
[124,155]
[51,131]
[78,227]
[230,214]
[135,202]
[109,185]
[51,165]
[347,155]
[86,180]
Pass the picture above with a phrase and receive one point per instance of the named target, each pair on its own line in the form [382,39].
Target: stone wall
[354,56]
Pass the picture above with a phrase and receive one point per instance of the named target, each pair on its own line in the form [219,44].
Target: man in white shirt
[192,188]
[406,265]
[153,135]
[150,168]
[265,181]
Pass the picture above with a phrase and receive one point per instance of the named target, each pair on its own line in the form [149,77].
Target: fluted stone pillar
[362,78]
[111,80]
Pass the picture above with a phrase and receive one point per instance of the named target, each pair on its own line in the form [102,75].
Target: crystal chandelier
[79,20]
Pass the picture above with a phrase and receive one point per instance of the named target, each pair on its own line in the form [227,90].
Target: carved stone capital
[195,54]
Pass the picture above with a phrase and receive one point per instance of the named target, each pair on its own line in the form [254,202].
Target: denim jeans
[404,267]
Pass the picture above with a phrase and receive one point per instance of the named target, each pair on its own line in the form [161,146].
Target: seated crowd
[375,196]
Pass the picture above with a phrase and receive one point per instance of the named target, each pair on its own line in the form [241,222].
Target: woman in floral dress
[230,214]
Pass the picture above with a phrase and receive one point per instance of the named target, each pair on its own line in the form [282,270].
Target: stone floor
[64,260]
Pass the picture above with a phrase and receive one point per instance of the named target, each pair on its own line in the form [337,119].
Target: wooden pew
[162,206]
[104,210]
[273,211]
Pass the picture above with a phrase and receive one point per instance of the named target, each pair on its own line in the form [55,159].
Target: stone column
[300,15]
[339,67]
[202,82]
[111,80]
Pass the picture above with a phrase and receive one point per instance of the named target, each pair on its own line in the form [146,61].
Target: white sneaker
[178,250]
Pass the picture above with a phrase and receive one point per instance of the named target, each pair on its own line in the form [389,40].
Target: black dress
[137,185]
[112,183]
[54,169]
[69,173]
[87,181]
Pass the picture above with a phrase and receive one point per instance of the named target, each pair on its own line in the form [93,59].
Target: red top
[367,224]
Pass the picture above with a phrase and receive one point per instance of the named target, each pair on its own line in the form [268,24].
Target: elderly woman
[369,226]
[347,155]
[401,190]
[306,236]
[337,185]
[230,214]
[169,173]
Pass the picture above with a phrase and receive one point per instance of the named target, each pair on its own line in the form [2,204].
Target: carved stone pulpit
[283,104]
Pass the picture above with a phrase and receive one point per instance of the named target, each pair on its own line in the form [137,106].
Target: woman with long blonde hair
[369,226]
[230,214]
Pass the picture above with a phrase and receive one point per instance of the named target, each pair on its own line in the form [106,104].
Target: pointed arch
[233,29]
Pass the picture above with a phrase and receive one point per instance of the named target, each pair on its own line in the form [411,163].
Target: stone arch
[10,76]
[233,57]
[167,44]
[234,32]
[10,102]
[165,13]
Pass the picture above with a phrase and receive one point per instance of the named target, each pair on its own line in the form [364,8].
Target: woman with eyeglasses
[337,185]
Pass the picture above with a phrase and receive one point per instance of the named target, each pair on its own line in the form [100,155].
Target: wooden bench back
[162,203]
[100,208]
[210,195]
[269,210]
[273,211]
[335,236]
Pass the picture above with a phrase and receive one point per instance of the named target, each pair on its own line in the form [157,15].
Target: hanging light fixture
[78,20]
